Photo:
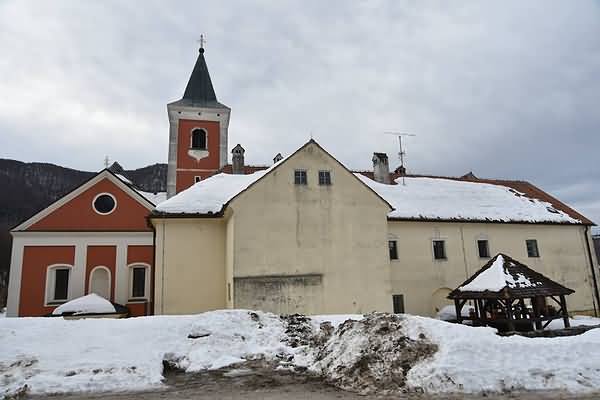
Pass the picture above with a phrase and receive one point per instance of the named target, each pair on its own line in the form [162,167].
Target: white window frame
[146,297]
[109,280]
[49,298]
[192,138]
[102,194]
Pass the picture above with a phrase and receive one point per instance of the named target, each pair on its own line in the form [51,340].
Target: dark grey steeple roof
[199,91]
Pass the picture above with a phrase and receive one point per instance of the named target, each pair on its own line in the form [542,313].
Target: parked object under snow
[510,296]
[89,304]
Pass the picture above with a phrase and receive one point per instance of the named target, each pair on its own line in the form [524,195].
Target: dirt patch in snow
[372,355]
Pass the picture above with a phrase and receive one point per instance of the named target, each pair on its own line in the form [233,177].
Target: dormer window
[199,139]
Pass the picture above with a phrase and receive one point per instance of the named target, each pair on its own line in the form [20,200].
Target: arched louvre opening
[199,139]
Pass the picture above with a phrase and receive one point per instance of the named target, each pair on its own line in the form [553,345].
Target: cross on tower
[202,41]
[106,161]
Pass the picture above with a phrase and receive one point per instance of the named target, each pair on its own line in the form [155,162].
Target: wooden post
[509,315]
[458,308]
[536,314]
[565,313]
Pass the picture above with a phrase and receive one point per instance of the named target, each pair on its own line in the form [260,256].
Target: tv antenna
[401,153]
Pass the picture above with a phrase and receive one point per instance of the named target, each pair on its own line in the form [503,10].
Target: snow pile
[447,199]
[90,304]
[375,353]
[54,355]
[448,313]
[496,278]
[372,355]
[475,360]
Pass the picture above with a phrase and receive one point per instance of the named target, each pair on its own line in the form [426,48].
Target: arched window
[58,277]
[139,281]
[100,282]
[199,139]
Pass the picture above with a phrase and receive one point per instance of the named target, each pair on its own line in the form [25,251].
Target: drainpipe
[589,252]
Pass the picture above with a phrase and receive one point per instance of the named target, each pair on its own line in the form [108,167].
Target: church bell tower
[198,126]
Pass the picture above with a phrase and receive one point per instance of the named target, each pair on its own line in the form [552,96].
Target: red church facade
[95,239]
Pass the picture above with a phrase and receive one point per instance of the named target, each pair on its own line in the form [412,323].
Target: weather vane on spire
[202,41]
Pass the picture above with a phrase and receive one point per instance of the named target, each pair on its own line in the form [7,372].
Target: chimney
[277,158]
[238,160]
[381,168]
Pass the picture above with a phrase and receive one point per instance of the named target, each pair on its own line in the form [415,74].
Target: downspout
[589,252]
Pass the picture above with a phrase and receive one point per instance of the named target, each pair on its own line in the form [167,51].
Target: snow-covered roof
[90,304]
[503,275]
[154,198]
[209,195]
[496,278]
[448,199]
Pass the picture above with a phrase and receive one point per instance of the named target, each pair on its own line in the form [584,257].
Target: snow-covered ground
[53,355]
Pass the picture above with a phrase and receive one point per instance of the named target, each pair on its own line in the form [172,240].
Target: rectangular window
[439,250]
[393,246]
[300,177]
[138,289]
[325,178]
[484,249]
[532,248]
[398,300]
[197,179]
[61,284]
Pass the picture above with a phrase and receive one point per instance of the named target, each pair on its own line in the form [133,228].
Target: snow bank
[89,304]
[474,360]
[53,355]
[447,199]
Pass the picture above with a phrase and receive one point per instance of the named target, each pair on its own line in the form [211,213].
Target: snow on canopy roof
[447,199]
[90,304]
[502,274]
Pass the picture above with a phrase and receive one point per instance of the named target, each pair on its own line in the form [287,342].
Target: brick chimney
[237,158]
[381,168]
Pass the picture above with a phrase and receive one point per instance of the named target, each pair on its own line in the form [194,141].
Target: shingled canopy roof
[506,278]
[510,296]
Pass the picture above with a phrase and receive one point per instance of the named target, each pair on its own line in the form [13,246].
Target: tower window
[199,139]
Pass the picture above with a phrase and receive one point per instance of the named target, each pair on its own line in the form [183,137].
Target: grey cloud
[508,90]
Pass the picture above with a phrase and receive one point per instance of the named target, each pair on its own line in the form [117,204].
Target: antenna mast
[401,153]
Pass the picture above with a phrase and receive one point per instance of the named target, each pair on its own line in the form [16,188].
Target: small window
[532,248]
[393,246]
[325,178]
[199,139]
[138,282]
[197,179]
[439,249]
[300,177]
[104,203]
[484,249]
[61,284]
[398,301]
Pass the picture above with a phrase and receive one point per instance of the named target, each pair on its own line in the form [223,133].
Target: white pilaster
[14,280]
[122,275]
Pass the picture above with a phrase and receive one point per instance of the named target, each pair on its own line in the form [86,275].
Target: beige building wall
[425,282]
[311,248]
[190,265]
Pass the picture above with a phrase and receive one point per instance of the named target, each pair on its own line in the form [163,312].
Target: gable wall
[425,281]
[333,237]
[78,214]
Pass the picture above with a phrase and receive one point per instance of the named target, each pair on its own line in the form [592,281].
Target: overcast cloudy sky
[505,89]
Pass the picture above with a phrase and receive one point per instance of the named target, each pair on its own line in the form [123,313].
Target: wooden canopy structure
[509,296]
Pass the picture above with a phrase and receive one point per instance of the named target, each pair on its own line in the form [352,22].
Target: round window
[104,203]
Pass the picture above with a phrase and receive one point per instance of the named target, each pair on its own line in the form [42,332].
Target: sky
[504,89]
